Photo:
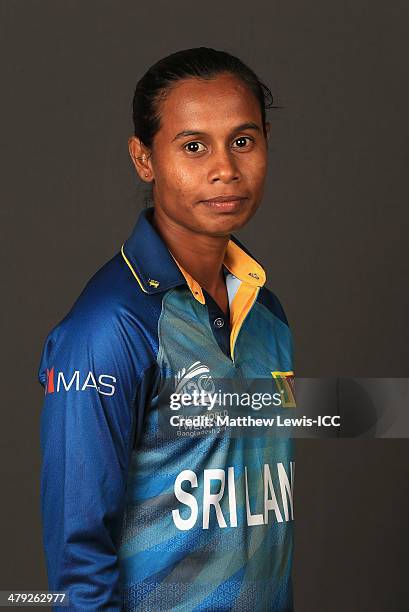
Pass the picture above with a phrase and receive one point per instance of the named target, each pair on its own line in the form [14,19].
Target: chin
[225,224]
[230,222]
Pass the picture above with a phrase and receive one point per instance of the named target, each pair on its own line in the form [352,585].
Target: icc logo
[196,378]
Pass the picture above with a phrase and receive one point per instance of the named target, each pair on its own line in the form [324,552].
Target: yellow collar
[238,262]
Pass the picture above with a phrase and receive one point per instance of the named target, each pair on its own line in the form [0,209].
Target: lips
[225,204]
[227,198]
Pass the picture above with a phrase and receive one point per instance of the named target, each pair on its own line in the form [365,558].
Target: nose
[224,167]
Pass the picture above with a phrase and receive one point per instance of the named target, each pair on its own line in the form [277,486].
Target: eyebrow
[243,126]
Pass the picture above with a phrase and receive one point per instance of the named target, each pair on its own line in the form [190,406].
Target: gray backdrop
[332,232]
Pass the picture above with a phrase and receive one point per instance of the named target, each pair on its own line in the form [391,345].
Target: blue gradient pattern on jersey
[109,471]
[214,566]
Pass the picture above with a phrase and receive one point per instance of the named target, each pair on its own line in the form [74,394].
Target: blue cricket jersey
[136,520]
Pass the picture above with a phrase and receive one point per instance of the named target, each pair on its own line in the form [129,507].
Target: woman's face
[211,144]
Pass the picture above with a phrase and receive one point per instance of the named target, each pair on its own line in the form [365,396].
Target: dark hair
[199,62]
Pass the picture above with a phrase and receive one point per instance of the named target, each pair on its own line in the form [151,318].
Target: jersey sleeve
[95,393]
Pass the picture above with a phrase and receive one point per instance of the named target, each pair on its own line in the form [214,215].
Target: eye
[192,147]
[243,141]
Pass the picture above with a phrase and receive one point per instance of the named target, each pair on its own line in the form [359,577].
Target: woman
[134,518]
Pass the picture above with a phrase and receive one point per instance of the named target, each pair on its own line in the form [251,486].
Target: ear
[140,156]
[268,127]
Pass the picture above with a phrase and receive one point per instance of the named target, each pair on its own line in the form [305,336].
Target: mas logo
[57,381]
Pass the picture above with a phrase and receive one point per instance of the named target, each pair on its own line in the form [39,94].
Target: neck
[199,254]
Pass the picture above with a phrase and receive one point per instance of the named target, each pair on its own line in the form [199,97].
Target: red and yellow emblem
[286,385]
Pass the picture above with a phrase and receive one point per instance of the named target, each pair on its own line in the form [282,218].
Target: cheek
[256,172]
[178,177]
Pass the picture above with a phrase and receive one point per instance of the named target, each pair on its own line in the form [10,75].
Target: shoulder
[112,322]
[110,293]
[271,301]
[110,298]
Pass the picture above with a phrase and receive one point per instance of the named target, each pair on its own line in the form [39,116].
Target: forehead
[215,104]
